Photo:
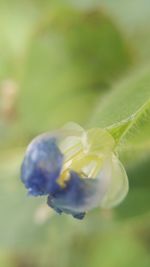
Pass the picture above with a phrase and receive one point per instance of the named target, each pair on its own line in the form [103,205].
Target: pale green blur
[76,61]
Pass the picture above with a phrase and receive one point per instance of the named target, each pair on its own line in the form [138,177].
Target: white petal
[118,185]
[102,183]
[73,129]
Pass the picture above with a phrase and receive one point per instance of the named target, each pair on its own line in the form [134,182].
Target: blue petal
[42,166]
[75,197]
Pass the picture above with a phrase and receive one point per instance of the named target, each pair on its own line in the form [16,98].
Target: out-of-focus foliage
[68,61]
[118,104]
[82,61]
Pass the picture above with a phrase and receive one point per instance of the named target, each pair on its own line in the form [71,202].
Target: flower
[78,170]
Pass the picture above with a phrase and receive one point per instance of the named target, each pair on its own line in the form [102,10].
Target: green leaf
[125,127]
[118,130]
[126,107]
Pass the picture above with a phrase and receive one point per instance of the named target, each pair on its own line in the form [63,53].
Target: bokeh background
[58,60]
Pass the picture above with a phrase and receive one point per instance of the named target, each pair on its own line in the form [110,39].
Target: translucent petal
[73,129]
[71,140]
[117,186]
[100,141]
[81,195]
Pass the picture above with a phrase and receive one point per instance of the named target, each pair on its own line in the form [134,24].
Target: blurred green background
[59,62]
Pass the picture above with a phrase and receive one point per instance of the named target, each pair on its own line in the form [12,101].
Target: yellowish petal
[100,141]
